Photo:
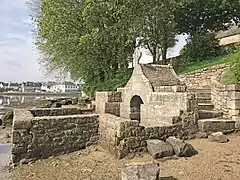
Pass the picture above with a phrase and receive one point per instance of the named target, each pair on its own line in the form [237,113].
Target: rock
[200,135]
[140,171]
[6,136]
[176,120]
[218,137]
[181,148]
[159,149]
[1,122]
[56,105]
[7,118]
[47,104]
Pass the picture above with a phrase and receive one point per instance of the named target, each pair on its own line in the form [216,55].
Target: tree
[90,39]
[157,27]
[200,16]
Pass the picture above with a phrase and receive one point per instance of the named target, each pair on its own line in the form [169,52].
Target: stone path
[5,150]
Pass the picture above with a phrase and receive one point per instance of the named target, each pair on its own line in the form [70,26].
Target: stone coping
[26,115]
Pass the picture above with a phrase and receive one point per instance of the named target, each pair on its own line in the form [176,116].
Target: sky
[18,56]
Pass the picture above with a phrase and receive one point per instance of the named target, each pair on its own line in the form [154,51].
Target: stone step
[204,100]
[203,95]
[201,89]
[205,114]
[216,125]
[205,106]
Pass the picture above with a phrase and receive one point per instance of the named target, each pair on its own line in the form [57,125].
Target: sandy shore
[214,162]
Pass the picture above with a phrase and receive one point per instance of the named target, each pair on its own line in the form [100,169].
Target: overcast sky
[17,58]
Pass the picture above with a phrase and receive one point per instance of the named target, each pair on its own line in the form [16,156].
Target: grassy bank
[190,67]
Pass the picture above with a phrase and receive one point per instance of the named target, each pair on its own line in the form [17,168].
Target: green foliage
[201,47]
[200,16]
[157,27]
[91,39]
[232,76]
[120,79]
[193,66]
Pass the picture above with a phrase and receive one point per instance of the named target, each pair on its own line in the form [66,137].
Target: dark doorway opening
[135,108]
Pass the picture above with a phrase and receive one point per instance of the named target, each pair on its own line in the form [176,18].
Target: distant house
[65,87]
[46,86]
[228,37]
[14,86]
[31,86]
[3,85]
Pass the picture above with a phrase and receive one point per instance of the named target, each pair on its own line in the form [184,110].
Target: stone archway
[135,108]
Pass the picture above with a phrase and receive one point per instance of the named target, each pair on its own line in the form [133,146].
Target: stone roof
[160,75]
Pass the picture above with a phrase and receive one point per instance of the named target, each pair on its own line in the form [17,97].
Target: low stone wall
[41,137]
[55,111]
[123,136]
[202,78]
[226,98]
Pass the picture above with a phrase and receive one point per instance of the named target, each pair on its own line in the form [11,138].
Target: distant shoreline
[37,94]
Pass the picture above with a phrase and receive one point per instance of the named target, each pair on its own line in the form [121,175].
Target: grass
[228,77]
[190,67]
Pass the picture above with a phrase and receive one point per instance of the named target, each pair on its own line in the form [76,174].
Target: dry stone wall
[202,78]
[123,136]
[55,111]
[108,102]
[41,137]
[226,98]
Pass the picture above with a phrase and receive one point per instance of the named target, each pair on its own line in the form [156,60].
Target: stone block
[181,148]
[159,149]
[140,171]
[218,137]
[215,125]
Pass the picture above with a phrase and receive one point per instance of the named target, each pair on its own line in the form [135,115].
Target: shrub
[200,47]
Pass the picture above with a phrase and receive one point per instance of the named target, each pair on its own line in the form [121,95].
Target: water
[5,160]
[29,101]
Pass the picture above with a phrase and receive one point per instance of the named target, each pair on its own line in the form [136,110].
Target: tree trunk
[164,55]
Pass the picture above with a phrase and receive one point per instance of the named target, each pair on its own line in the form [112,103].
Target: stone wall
[226,98]
[112,98]
[55,111]
[164,106]
[202,78]
[113,108]
[123,136]
[41,137]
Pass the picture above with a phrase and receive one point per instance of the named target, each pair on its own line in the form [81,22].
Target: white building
[14,86]
[65,87]
[3,85]
[46,86]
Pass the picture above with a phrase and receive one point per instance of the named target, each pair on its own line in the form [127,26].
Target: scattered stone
[176,120]
[140,171]
[200,135]
[159,149]
[6,136]
[56,105]
[181,148]
[7,118]
[218,137]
